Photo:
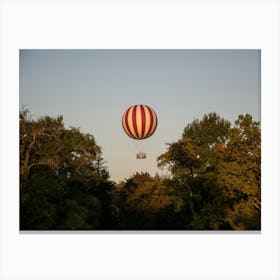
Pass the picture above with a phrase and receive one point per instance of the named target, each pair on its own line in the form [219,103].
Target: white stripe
[139,120]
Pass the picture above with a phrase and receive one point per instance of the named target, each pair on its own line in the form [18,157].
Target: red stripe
[143,116]
[151,122]
[126,123]
[156,123]
[134,120]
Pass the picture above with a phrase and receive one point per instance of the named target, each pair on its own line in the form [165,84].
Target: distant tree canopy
[214,183]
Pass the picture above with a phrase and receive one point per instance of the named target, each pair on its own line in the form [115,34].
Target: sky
[91,89]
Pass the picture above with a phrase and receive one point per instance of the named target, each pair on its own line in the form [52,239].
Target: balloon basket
[141,155]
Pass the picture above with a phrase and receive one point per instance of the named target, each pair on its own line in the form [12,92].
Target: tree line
[214,182]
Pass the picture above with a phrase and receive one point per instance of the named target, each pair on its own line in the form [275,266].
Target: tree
[144,202]
[216,173]
[193,163]
[63,178]
[240,174]
[40,143]
[67,152]
[214,183]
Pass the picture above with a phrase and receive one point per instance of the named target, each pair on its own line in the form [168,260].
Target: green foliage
[214,181]
[217,169]
[39,200]
[210,130]
[144,202]
[63,180]
[239,174]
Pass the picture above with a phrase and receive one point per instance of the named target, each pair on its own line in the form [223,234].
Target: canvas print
[140,140]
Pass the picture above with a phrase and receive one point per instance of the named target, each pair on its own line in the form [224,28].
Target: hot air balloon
[139,122]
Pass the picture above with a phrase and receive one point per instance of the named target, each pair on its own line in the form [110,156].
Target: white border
[135,24]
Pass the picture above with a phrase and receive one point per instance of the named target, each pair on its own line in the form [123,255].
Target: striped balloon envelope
[139,121]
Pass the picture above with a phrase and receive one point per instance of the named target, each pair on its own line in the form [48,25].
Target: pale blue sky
[92,89]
